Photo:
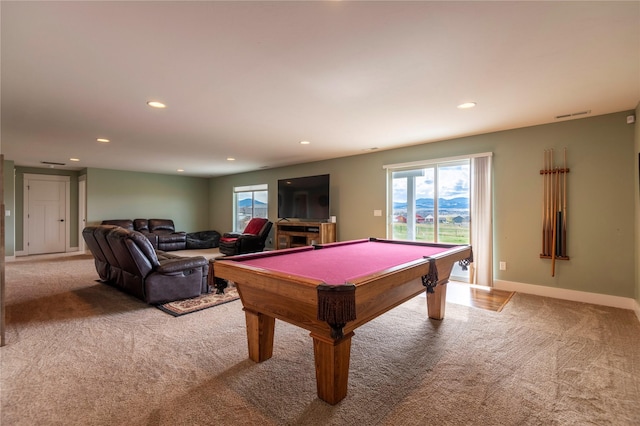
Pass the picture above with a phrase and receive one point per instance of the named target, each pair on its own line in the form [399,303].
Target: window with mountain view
[437,200]
[249,202]
[431,203]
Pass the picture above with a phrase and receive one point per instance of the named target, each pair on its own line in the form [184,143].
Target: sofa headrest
[92,243]
[123,223]
[161,225]
[141,225]
[133,250]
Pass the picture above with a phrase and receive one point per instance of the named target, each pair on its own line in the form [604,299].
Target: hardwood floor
[477,296]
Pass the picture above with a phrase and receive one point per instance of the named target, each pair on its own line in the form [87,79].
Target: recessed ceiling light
[305,143]
[180,170]
[103,140]
[466,105]
[156,104]
[74,159]
[231,159]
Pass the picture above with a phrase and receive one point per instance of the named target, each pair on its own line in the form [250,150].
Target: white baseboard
[573,295]
[67,250]
[71,251]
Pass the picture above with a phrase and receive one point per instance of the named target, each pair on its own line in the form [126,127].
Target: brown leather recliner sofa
[126,259]
[160,232]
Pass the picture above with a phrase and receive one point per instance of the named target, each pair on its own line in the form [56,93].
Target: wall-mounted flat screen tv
[304,198]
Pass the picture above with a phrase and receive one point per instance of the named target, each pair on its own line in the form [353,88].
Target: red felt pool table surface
[340,263]
[333,289]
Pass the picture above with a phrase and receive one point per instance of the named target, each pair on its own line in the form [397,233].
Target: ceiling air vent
[574,114]
[52,163]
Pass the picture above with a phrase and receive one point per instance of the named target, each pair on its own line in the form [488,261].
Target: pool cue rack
[554,209]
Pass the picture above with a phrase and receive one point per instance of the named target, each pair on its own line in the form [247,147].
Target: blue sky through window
[453,183]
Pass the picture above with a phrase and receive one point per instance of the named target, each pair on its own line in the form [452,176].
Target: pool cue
[558,215]
[564,207]
[549,201]
[555,229]
[544,202]
[558,218]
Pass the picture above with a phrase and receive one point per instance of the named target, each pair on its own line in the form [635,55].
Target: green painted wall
[114,194]
[600,206]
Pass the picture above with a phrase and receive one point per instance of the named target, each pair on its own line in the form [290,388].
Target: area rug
[204,301]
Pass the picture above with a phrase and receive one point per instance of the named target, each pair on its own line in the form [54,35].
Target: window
[431,203]
[447,201]
[249,202]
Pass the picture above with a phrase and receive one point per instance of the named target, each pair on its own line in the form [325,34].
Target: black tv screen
[304,198]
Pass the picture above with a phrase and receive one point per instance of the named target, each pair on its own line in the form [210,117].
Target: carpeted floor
[211,253]
[80,353]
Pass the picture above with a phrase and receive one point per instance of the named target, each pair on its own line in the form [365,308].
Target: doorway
[46,214]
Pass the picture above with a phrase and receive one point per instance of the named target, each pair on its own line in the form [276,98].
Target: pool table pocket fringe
[430,280]
[336,306]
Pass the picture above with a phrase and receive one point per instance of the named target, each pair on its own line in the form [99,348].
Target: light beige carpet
[211,253]
[81,353]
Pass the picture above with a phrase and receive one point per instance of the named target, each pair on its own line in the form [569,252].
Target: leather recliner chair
[251,240]
[127,260]
[168,238]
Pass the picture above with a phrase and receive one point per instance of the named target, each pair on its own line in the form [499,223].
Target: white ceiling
[250,80]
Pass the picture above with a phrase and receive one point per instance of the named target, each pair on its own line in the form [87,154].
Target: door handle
[61,220]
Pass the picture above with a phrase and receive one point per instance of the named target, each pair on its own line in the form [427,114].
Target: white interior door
[46,216]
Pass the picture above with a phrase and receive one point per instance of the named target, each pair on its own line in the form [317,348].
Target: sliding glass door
[430,203]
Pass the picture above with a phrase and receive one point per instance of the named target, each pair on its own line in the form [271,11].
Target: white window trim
[250,188]
[415,164]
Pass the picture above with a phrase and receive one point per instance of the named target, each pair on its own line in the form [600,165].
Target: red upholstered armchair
[252,239]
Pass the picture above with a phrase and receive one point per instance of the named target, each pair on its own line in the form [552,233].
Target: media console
[296,234]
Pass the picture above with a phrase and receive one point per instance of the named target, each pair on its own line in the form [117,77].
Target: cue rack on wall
[554,209]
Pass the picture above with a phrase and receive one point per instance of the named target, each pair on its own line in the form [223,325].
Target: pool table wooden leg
[260,328]
[332,366]
[437,301]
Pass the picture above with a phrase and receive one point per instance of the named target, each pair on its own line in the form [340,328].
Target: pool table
[331,290]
